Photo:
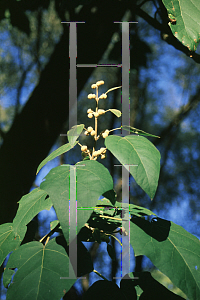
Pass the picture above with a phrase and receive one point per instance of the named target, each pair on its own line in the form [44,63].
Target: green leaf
[54,154]
[137,131]
[74,133]
[19,19]
[93,179]
[104,202]
[9,239]
[177,256]
[53,224]
[140,152]
[110,195]
[139,210]
[96,235]
[7,277]
[40,272]
[116,112]
[184,21]
[29,206]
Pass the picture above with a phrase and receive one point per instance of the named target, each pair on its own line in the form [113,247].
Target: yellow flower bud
[96,114]
[104,135]
[90,115]
[102,150]
[90,96]
[89,111]
[86,132]
[100,82]
[84,148]
[101,111]
[90,129]
[103,96]
[103,156]
[92,133]
[95,153]
[93,86]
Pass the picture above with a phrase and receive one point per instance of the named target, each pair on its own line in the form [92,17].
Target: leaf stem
[116,239]
[117,87]
[100,275]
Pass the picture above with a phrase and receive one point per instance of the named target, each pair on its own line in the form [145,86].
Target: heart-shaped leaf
[42,272]
[142,155]
[177,256]
[92,178]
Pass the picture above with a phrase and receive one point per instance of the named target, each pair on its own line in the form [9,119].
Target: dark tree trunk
[36,128]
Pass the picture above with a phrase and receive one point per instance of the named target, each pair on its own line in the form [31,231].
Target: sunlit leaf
[177,256]
[93,179]
[74,133]
[142,155]
[137,131]
[184,21]
[139,210]
[9,240]
[54,154]
[29,206]
[42,272]
[116,112]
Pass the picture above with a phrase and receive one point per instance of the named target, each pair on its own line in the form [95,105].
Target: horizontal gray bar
[95,65]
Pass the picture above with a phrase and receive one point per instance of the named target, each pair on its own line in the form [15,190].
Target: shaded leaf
[110,195]
[54,154]
[48,265]
[142,155]
[111,251]
[184,21]
[96,235]
[19,19]
[74,133]
[152,289]
[93,179]
[178,256]
[84,261]
[104,289]
[128,288]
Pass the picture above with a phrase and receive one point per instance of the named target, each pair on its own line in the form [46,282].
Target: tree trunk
[36,128]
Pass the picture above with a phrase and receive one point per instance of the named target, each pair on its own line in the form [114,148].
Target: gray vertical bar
[125,76]
[125,121]
[125,219]
[72,224]
[72,74]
